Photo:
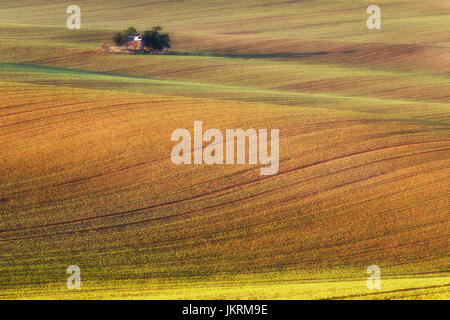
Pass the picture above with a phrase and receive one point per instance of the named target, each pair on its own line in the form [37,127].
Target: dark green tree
[130,32]
[164,41]
[119,39]
[156,40]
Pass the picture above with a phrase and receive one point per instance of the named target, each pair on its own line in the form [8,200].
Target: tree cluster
[153,39]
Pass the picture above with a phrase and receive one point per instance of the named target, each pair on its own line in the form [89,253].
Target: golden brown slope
[89,179]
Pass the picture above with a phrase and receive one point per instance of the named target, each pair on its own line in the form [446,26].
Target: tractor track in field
[165,158]
[54,107]
[79,111]
[143,163]
[210,241]
[277,229]
[197,197]
[83,179]
[314,125]
[140,210]
[26,105]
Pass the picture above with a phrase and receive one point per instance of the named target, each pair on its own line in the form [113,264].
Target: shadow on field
[280,55]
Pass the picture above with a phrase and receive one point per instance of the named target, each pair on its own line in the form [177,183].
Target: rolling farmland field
[86,176]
